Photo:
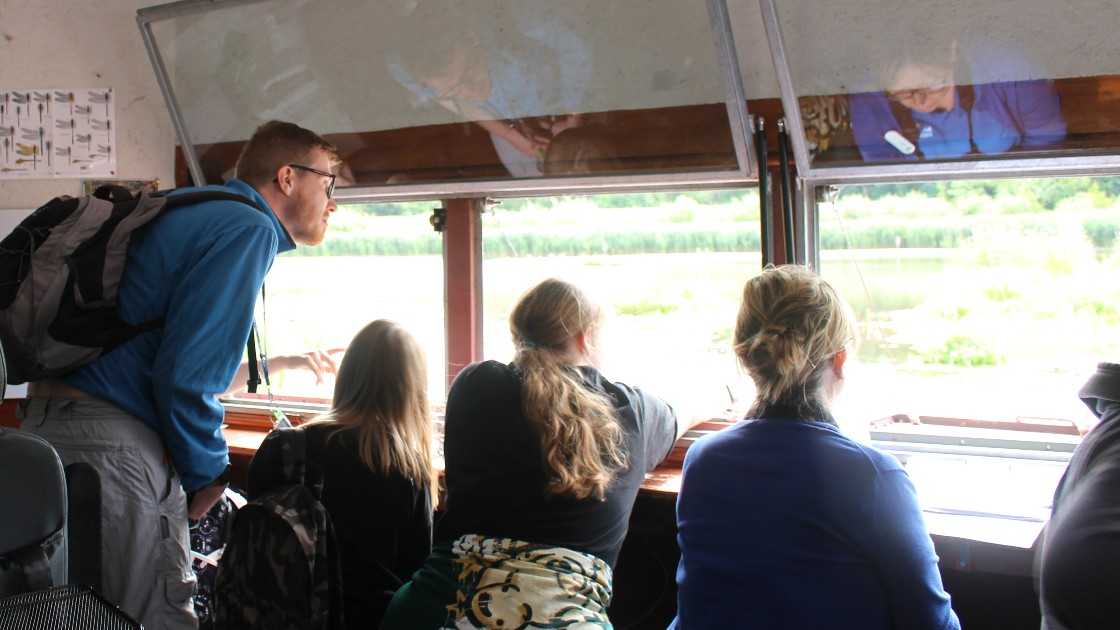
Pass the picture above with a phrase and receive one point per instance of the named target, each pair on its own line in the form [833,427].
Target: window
[986,300]
[668,267]
[984,306]
[379,261]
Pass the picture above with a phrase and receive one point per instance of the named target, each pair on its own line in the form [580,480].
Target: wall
[87,44]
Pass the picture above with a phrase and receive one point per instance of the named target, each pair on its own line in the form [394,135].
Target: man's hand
[205,498]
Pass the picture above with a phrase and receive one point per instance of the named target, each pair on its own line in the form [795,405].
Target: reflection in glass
[1033,95]
[415,91]
[524,79]
[938,104]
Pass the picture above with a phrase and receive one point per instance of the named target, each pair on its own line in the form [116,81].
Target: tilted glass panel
[466,91]
[892,82]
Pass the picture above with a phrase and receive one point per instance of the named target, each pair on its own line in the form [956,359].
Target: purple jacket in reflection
[1003,116]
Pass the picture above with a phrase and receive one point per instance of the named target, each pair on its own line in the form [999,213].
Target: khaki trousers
[145,552]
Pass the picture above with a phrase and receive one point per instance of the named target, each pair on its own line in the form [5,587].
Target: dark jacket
[1080,560]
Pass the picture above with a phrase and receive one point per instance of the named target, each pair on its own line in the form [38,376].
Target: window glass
[905,82]
[379,261]
[989,300]
[668,267]
[432,91]
[984,306]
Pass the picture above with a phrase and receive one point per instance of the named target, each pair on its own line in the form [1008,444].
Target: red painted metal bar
[462,267]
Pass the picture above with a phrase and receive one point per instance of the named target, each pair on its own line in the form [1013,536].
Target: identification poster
[56,133]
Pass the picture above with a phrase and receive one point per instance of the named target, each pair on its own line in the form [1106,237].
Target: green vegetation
[974,298]
[961,351]
[1020,288]
[941,215]
[645,307]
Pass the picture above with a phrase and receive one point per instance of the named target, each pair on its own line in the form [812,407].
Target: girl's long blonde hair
[580,437]
[381,392]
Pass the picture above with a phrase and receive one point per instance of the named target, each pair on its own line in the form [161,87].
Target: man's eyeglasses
[902,95]
[330,186]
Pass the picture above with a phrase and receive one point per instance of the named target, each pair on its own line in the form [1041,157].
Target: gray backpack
[60,269]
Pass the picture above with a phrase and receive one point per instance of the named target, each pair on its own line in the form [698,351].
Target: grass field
[1008,324]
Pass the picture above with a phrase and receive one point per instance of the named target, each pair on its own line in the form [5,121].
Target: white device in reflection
[899,142]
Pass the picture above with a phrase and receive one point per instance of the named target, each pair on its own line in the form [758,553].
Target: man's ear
[285,179]
[838,361]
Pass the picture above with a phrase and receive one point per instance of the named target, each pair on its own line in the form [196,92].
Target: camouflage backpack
[280,567]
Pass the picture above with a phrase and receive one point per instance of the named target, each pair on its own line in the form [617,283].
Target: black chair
[50,538]
[70,607]
[33,544]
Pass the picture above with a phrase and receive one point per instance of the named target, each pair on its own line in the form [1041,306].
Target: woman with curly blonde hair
[544,457]
[783,521]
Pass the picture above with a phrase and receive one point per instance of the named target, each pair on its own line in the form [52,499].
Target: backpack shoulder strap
[201,195]
[293,454]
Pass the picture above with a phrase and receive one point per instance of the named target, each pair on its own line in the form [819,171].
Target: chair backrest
[83,524]
[33,545]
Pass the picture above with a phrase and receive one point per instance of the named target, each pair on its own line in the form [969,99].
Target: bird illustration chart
[47,133]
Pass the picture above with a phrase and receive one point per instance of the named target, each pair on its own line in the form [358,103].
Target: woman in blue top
[783,521]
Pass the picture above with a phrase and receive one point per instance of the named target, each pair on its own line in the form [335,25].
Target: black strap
[202,196]
[254,373]
[293,453]
[968,99]
[36,565]
[909,129]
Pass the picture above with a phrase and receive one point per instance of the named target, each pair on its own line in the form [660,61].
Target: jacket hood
[1102,391]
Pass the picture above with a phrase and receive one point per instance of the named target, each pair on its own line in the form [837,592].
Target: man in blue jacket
[146,415]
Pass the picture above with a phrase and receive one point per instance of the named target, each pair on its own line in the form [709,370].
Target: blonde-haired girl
[374,448]
[783,521]
[544,459]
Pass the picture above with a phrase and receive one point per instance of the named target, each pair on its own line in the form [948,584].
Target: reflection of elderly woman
[784,522]
[936,107]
